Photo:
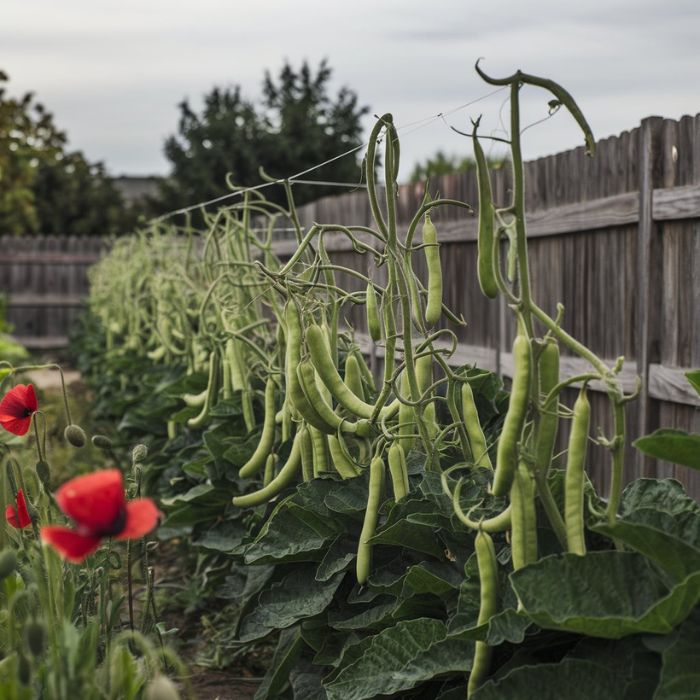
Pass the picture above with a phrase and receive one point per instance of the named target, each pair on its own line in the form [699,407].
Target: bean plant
[408,531]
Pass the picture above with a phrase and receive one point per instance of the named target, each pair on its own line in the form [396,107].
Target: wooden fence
[45,280]
[615,238]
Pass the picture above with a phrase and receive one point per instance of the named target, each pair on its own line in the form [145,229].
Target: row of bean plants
[410,534]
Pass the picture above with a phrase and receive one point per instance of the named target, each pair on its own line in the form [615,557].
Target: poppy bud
[139,453]
[102,442]
[24,670]
[35,637]
[8,562]
[75,435]
[162,688]
[43,471]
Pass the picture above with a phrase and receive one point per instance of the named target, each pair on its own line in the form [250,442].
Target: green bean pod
[374,500]
[307,453]
[195,400]
[433,307]
[488,606]
[523,518]
[331,421]
[407,417]
[267,436]
[507,451]
[374,324]
[156,354]
[319,450]
[367,376]
[226,383]
[278,484]
[353,377]
[233,360]
[548,370]
[269,468]
[477,441]
[485,238]
[324,365]
[295,394]
[342,464]
[398,471]
[212,392]
[575,471]
[424,375]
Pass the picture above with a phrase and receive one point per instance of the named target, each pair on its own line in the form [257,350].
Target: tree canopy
[295,124]
[442,164]
[44,187]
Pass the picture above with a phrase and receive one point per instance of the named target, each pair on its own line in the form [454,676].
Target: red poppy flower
[97,505]
[18,518]
[17,407]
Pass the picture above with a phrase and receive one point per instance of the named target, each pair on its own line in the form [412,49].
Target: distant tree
[45,188]
[442,164]
[295,125]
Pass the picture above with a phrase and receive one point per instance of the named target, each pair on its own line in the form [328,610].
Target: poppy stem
[39,453]
[69,420]
[129,585]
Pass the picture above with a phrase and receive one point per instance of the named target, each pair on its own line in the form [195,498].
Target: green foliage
[45,188]
[443,164]
[671,445]
[295,125]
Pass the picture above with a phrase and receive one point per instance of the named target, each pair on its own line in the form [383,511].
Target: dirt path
[50,379]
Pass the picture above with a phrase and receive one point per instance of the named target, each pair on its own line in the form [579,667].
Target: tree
[442,164]
[45,188]
[295,126]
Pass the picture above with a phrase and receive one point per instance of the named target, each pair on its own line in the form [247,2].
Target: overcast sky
[113,71]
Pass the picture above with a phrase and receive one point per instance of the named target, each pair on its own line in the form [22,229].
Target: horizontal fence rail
[615,238]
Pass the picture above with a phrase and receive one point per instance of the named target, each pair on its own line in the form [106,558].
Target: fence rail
[615,238]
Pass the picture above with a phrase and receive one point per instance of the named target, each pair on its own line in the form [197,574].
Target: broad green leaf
[306,685]
[296,597]
[684,526]
[223,537]
[348,498]
[400,658]
[694,378]
[675,446]
[227,408]
[437,578]
[573,679]
[289,647]
[667,495]
[677,556]
[341,552]
[419,538]
[292,533]
[680,673]
[372,617]
[603,594]
[506,626]
[628,658]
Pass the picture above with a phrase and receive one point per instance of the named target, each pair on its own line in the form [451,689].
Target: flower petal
[22,512]
[11,516]
[141,517]
[16,408]
[18,401]
[95,501]
[16,426]
[70,544]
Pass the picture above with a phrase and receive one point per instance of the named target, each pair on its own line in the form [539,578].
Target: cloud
[113,72]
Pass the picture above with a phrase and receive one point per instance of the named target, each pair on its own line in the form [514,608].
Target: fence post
[647,266]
